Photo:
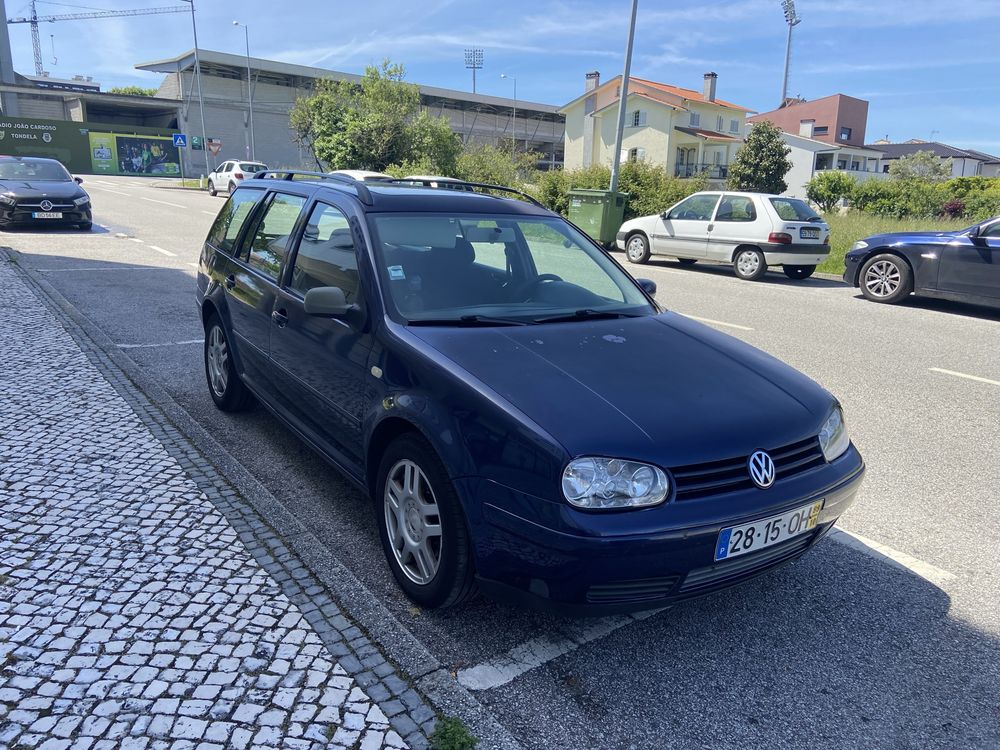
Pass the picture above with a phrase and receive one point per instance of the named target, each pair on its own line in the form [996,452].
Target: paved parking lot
[887,635]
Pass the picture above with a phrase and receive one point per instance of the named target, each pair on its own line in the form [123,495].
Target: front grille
[731,571]
[628,592]
[731,475]
[36,206]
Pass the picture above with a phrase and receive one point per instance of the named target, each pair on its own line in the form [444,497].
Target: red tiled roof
[703,133]
[692,94]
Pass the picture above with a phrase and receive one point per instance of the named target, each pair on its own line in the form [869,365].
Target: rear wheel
[637,248]
[422,526]
[798,272]
[886,278]
[232,187]
[228,391]
[687,261]
[211,189]
[749,264]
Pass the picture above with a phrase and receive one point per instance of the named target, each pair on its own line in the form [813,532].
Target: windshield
[793,209]
[27,169]
[462,269]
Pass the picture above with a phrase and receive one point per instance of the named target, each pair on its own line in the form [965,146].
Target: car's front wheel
[228,391]
[799,272]
[232,187]
[422,526]
[886,278]
[637,248]
[86,226]
[750,264]
[211,189]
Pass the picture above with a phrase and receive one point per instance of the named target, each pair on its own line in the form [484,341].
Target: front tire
[637,248]
[211,189]
[886,278]
[422,526]
[749,264]
[224,384]
[798,272]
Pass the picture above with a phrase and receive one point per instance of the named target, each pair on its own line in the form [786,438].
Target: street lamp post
[792,19]
[201,99]
[246,34]
[616,157]
[513,121]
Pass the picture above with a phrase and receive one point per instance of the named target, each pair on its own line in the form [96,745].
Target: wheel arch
[386,431]
[741,248]
[883,250]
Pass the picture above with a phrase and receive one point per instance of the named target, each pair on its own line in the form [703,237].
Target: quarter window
[231,219]
[270,241]
[736,208]
[326,254]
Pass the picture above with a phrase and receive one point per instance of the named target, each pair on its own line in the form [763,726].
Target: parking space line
[154,346]
[210,213]
[164,252]
[894,557]
[136,239]
[964,375]
[538,651]
[717,322]
[165,203]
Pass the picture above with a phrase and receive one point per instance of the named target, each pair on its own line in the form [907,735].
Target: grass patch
[188,183]
[847,229]
[451,734]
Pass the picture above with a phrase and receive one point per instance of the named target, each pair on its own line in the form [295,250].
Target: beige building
[687,132]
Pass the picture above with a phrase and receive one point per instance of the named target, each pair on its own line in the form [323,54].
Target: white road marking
[718,322]
[210,213]
[105,268]
[164,252]
[897,559]
[541,650]
[963,375]
[193,265]
[165,203]
[116,192]
[153,346]
[136,239]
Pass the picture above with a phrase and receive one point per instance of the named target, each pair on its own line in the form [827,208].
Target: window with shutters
[719,122]
[695,119]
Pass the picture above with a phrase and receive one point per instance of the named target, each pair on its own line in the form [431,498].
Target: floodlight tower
[474,62]
[792,19]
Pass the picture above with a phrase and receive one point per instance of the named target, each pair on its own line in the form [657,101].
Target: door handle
[711,226]
[230,281]
[280,317]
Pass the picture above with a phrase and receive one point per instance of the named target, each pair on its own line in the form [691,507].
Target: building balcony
[712,171]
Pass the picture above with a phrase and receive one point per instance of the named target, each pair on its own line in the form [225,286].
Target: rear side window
[270,240]
[326,254]
[231,219]
[736,208]
[793,209]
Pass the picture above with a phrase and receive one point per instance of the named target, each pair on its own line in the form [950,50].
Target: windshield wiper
[468,320]
[815,218]
[586,314]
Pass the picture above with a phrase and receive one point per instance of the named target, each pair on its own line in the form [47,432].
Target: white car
[750,230]
[229,174]
[432,180]
[363,175]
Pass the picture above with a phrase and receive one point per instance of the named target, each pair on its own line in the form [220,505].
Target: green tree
[828,188]
[132,91]
[921,165]
[762,162]
[484,162]
[372,124]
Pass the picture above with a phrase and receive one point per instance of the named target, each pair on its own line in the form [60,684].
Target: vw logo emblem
[761,469]
[45,205]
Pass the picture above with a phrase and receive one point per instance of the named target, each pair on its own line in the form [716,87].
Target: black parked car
[525,416]
[962,266]
[36,191]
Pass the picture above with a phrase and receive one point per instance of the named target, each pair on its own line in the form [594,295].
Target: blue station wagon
[527,420]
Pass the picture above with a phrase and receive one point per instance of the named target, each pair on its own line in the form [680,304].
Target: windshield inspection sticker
[396,272]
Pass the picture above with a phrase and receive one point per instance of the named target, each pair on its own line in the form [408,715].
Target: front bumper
[16,215]
[620,240]
[795,254]
[521,560]
[852,266]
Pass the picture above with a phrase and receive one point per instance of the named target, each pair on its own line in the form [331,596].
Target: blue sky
[926,70]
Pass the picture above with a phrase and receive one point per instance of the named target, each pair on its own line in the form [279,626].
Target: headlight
[859,245]
[833,437]
[612,484]
[81,201]
[8,200]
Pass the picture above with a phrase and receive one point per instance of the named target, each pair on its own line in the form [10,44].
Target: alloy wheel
[218,361]
[413,521]
[882,278]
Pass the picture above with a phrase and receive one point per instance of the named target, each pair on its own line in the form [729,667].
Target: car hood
[41,189]
[661,388]
[892,238]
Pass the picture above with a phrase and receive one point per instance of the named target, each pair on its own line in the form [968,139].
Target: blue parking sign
[180,140]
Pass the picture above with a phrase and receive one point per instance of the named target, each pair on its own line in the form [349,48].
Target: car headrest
[341,238]
[463,253]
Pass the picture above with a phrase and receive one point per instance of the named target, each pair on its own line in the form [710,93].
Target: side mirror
[665,215]
[974,232]
[647,285]
[327,302]
[78,180]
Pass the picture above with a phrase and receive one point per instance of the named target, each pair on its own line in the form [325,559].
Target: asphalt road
[891,642]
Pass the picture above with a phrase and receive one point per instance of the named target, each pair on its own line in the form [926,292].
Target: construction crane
[34,19]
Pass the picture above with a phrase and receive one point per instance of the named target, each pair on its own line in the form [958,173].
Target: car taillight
[238,175]
[780,238]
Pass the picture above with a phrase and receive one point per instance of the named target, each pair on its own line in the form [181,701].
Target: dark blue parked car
[962,266]
[526,418]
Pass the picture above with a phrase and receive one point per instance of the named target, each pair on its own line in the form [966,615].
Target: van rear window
[231,219]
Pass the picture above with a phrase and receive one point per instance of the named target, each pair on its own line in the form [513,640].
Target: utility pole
[623,96]
[246,33]
[474,62]
[201,98]
[792,19]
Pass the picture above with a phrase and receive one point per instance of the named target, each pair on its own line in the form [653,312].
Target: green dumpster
[597,212]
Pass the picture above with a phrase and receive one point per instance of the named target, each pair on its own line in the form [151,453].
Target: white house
[965,162]
[809,156]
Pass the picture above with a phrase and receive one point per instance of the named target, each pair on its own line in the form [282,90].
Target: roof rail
[451,184]
[289,174]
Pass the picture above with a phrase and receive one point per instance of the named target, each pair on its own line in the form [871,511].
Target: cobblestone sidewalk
[132,616]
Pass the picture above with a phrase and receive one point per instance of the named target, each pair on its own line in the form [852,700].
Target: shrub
[954,208]
[828,188]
